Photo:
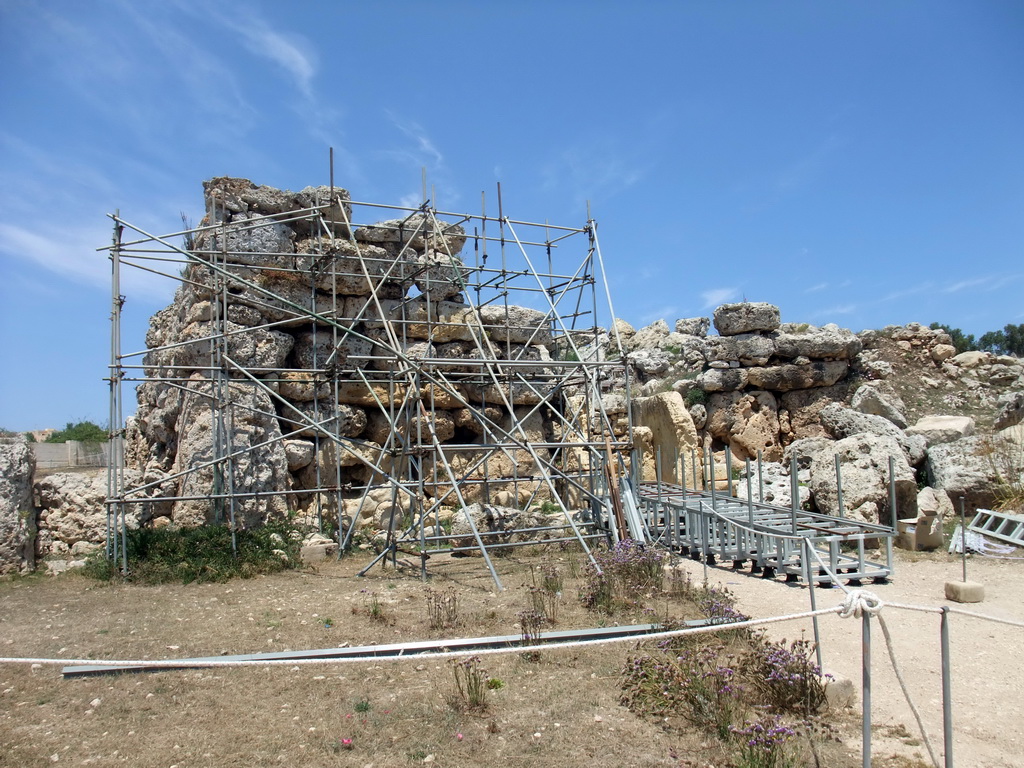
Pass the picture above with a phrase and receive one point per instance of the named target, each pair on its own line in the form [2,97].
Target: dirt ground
[987,658]
[560,711]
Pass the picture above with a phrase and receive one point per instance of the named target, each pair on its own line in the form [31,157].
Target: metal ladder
[999,525]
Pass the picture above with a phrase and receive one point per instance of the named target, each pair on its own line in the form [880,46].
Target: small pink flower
[458,736]
[348,716]
[346,743]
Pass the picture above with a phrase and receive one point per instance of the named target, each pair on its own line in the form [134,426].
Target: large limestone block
[748,422]
[299,453]
[942,429]
[841,422]
[276,295]
[744,348]
[417,428]
[479,421]
[309,418]
[691,351]
[251,239]
[649,337]
[800,409]
[693,326]
[864,466]
[974,467]
[226,196]
[72,509]
[784,378]
[260,466]
[440,275]
[17,513]
[478,472]
[317,350]
[970,359]
[731,319]
[880,399]
[504,393]
[650,362]
[419,231]
[723,379]
[344,267]
[774,486]
[418,318]
[518,325]
[830,342]
[672,431]
[246,347]
[412,353]
[1011,409]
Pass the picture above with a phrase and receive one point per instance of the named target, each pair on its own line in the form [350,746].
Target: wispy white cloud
[913,290]
[71,254]
[420,152]
[807,168]
[837,309]
[816,288]
[594,169]
[717,296]
[986,283]
[800,173]
[661,313]
[290,52]
[411,200]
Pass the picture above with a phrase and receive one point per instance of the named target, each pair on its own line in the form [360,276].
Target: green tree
[992,341]
[963,342]
[83,431]
[1014,344]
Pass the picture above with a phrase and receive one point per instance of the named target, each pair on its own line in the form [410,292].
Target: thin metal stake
[892,491]
[760,479]
[947,691]
[814,602]
[839,489]
[963,539]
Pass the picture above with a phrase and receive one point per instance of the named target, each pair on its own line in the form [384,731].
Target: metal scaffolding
[428,363]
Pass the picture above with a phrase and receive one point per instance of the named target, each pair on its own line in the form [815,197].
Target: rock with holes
[864,466]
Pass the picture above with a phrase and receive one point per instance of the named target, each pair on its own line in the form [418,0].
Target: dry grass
[559,710]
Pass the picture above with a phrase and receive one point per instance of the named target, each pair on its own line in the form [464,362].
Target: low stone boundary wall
[73,453]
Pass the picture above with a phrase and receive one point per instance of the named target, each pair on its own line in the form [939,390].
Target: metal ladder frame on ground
[999,525]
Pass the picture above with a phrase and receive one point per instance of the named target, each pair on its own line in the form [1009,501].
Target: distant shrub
[83,431]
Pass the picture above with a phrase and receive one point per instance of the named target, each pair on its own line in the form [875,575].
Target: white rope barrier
[973,614]
[861,602]
[858,602]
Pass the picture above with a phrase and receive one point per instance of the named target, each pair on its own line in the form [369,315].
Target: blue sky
[853,162]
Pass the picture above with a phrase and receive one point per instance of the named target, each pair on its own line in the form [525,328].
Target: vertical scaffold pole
[116,536]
